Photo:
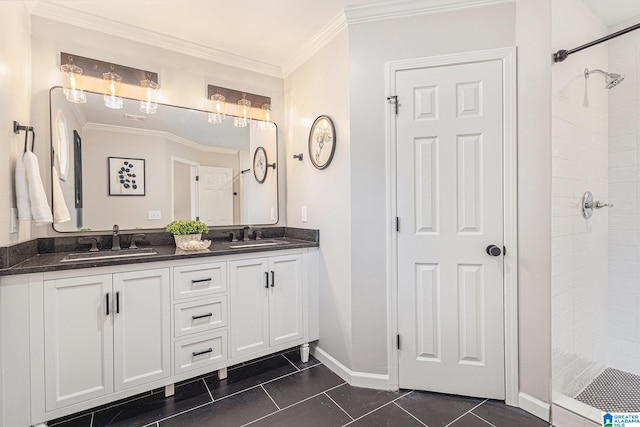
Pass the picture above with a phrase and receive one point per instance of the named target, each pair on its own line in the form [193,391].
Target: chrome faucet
[116,238]
[245,233]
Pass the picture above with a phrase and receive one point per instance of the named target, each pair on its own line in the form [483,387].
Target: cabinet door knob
[107,302]
[273,278]
[266,279]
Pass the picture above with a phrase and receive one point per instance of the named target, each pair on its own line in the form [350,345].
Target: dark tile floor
[282,391]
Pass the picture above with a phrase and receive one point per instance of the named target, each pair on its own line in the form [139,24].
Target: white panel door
[78,340]
[450,205]
[142,321]
[248,306]
[285,299]
[216,195]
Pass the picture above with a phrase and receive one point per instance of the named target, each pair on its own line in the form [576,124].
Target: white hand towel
[22,191]
[60,210]
[39,206]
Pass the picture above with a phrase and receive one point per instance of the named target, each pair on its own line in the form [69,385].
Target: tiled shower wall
[580,163]
[623,311]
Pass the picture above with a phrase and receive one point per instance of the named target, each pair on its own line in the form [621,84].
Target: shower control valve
[600,205]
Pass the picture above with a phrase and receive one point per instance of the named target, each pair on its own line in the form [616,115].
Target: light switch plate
[155,215]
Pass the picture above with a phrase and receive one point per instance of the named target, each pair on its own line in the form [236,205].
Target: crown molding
[161,134]
[391,10]
[81,19]
[324,36]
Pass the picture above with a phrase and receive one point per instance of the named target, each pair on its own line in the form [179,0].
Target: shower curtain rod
[561,55]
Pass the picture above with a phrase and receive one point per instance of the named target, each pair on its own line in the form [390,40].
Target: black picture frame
[126,176]
[321,135]
[260,164]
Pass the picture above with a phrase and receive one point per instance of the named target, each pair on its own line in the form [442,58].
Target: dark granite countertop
[44,259]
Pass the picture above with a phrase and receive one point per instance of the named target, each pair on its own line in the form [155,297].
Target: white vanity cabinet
[74,339]
[266,303]
[105,333]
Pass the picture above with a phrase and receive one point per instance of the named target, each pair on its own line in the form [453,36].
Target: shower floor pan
[613,391]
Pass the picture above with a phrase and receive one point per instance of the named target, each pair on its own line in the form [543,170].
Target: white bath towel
[60,210]
[22,191]
[40,209]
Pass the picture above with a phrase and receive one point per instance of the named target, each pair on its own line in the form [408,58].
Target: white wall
[15,93]
[533,38]
[183,79]
[579,262]
[321,87]
[623,323]
[371,45]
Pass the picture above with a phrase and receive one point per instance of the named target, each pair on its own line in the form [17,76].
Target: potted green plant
[185,231]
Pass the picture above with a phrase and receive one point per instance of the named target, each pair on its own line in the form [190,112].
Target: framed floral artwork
[322,142]
[126,176]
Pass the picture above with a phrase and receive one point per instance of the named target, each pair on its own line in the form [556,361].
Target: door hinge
[393,100]
[398,341]
[197,218]
[504,251]
[197,177]
[397,224]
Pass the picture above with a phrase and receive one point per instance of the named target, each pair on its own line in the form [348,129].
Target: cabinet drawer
[200,351]
[202,279]
[200,316]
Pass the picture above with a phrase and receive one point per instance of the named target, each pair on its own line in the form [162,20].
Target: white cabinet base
[222,373]
[169,390]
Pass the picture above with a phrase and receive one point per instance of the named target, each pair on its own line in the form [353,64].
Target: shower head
[611,79]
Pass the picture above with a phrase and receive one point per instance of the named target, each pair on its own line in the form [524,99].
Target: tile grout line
[93,414]
[268,395]
[293,404]
[475,407]
[336,403]
[291,362]
[478,416]
[181,413]
[410,414]
[208,391]
[380,407]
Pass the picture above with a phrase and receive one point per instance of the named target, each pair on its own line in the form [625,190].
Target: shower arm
[562,54]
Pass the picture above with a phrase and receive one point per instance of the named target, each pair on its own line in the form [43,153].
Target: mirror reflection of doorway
[184,191]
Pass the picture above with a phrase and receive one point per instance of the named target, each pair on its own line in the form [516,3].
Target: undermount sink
[256,243]
[125,253]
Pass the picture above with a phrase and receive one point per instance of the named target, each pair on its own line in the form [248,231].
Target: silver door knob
[493,250]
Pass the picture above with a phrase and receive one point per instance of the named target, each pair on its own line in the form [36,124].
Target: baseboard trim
[534,406]
[356,379]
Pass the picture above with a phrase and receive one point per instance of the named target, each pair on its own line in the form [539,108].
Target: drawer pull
[202,316]
[200,353]
[201,280]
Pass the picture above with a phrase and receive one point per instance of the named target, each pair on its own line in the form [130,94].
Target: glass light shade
[244,106]
[148,96]
[266,109]
[112,84]
[72,85]
[217,115]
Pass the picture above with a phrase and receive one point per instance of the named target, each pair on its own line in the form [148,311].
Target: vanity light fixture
[217,115]
[223,97]
[112,86]
[148,95]
[112,76]
[266,110]
[244,113]
[72,85]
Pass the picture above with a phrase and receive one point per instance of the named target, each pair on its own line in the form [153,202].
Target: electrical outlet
[155,215]
[273,213]
[304,214]
[13,221]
